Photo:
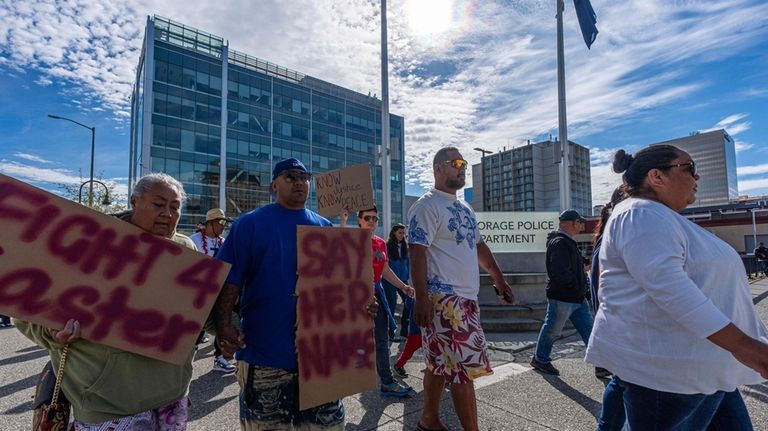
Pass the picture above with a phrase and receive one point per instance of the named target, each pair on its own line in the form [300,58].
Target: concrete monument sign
[516,232]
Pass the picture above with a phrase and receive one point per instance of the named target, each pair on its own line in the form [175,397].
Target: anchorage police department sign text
[516,232]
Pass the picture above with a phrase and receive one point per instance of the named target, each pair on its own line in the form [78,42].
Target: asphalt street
[514,398]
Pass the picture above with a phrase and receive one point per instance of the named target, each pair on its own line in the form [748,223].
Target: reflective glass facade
[528,179]
[218,120]
[715,156]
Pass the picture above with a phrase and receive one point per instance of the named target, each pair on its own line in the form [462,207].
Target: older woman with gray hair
[111,388]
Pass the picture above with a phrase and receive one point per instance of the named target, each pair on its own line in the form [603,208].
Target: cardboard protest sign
[516,231]
[348,188]
[334,338]
[129,289]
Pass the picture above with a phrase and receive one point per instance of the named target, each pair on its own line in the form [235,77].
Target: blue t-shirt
[261,247]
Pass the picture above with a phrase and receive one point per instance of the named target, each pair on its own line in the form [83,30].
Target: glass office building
[715,156]
[527,178]
[218,120]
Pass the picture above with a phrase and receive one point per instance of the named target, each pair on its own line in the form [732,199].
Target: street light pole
[483,152]
[93,151]
[105,201]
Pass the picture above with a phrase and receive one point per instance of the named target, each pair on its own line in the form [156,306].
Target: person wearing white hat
[208,240]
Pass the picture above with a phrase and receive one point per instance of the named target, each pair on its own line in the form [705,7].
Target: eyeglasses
[371,218]
[691,167]
[222,222]
[457,163]
[292,177]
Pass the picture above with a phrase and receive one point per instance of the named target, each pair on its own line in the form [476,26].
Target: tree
[116,203]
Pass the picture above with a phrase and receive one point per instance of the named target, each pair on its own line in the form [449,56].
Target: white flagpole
[386,176]
[565,171]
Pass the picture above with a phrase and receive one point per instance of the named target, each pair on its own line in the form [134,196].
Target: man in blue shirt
[262,249]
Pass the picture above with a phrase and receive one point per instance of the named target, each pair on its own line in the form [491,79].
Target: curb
[531,345]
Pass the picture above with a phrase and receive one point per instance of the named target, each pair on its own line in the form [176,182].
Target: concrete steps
[512,318]
[511,324]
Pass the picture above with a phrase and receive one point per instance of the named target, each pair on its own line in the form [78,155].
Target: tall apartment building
[218,119]
[527,178]
[715,156]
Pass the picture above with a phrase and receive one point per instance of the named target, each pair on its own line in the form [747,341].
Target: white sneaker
[222,365]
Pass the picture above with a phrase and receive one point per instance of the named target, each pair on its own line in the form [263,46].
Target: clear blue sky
[467,73]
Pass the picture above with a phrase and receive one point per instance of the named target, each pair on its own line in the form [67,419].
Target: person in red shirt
[369,219]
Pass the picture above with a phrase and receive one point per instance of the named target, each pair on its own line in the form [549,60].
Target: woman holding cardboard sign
[113,388]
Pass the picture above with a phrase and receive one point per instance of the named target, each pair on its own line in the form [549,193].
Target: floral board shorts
[269,400]
[172,417]
[454,342]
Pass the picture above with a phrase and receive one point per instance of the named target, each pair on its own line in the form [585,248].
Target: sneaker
[222,365]
[547,368]
[395,389]
[602,373]
[400,371]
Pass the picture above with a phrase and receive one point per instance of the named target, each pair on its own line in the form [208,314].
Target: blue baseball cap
[287,164]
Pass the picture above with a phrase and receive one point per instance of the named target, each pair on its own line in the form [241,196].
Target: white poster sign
[516,232]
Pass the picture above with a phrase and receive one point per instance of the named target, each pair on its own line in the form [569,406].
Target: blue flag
[587,20]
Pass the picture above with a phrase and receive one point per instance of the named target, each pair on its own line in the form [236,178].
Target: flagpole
[386,176]
[565,171]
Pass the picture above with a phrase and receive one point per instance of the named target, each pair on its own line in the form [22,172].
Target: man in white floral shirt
[445,251]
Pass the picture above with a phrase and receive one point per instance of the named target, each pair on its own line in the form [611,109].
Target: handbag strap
[59,375]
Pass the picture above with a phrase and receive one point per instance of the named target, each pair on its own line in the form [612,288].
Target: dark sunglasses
[690,167]
[457,163]
[371,218]
[292,177]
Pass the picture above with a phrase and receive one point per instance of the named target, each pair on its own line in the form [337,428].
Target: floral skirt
[454,342]
[172,417]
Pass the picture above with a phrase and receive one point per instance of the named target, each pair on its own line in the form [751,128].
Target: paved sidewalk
[513,398]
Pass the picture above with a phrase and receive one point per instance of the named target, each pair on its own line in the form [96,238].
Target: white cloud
[489,82]
[604,182]
[31,157]
[741,145]
[752,170]
[754,185]
[50,179]
[732,124]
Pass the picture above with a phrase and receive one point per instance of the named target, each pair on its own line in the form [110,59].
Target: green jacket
[104,383]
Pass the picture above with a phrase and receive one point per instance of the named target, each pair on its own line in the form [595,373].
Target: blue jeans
[763,265]
[392,293]
[612,416]
[381,338]
[557,313]
[648,409]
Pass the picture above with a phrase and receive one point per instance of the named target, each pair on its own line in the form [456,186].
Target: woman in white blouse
[676,322]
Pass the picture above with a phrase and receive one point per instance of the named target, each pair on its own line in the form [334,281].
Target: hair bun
[621,161]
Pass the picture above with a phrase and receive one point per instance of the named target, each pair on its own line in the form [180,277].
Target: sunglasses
[221,221]
[690,167]
[292,177]
[371,218]
[457,163]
